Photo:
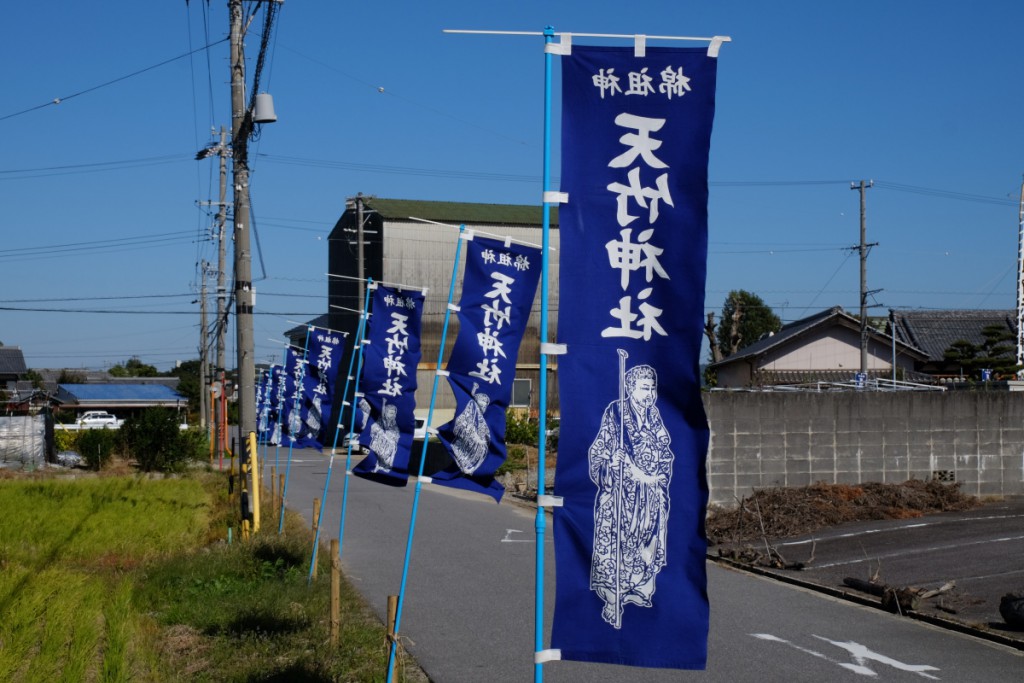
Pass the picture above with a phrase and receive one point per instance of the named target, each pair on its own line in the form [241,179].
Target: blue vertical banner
[325,351]
[298,386]
[498,288]
[388,384]
[262,405]
[630,546]
[276,404]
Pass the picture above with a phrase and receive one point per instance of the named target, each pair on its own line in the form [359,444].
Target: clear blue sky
[98,194]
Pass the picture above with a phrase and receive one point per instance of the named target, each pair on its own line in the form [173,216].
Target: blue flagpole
[541,523]
[357,347]
[352,420]
[296,405]
[423,455]
[280,412]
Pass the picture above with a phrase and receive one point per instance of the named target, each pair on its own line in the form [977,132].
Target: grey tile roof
[791,331]
[12,361]
[935,331]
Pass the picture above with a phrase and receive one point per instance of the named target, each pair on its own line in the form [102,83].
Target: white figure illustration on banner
[631,464]
[314,416]
[295,421]
[384,435]
[275,438]
[264,419]
[363,415]
[472,435]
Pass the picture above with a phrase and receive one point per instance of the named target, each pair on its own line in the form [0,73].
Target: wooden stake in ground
[392,616]
[316,524]
[335,593]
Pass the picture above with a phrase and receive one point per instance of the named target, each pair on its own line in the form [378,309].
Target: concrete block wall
[794,439]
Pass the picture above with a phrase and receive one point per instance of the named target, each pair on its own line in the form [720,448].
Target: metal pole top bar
[505,238]
[723,39]
[381,282]
[317,327]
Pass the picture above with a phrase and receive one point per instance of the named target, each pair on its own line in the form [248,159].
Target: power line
[58,100]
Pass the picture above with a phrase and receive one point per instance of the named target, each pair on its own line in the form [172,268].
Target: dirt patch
[775,513]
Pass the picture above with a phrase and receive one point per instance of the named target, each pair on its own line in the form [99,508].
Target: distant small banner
[275,404]
[498,288]
[629,538]
[324,358]
[388,384]
[295,431]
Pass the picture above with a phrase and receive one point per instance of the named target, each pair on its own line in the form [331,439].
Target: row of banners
[629,536]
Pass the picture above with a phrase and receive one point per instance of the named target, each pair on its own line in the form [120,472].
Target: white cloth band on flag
[552,197]
[549,501]
[426,480]
[551,349]
[359,394]
[562,48]
[366,341]
[544,656]
[454,308]
[639,45]
[466,235]
[345,403]
[432,431]
[442,373]
[373,286]
[715,46]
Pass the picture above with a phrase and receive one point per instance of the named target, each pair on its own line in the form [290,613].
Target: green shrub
[65,440]
[520,429]
[97,445]
[156,442]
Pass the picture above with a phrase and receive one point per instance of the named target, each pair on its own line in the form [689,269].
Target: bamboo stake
[335,593]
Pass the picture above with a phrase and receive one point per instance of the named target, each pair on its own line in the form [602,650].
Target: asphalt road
[468,615]
[979,550]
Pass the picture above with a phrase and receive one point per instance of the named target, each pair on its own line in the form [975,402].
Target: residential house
[824,347]
[933,332]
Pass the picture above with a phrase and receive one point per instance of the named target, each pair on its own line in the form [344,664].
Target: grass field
[129,579]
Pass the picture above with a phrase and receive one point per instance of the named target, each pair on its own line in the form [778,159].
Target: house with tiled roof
[12,364]
[933,332]
[821,348]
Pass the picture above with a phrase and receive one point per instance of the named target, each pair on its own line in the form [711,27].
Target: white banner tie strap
[345,403]
[454,308]
[442,373]
[551,349]
[563,48]
[426,480]
[466,235]
[373,286]
[544,656]
[359,394]
[640,45]
[547,501]
[716,45]
[553,197]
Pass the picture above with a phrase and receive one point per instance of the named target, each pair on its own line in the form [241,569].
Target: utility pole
[222,294]
[241,125]
[864,246]
[204,365]
[360,265]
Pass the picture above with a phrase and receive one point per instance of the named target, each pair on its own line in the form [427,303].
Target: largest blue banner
[629,538]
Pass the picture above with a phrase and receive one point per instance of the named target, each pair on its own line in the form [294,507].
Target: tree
[71,377]
[745,319]
[996,352]
[34,377]
[133,367]
[189,384]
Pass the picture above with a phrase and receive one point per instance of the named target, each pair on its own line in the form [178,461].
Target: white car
[97,419]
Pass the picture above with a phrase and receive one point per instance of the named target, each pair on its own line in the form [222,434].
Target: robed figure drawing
[631,464]
[472,435]
[384,435]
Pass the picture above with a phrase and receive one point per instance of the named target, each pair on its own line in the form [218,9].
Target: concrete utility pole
[204,369]
[863,275]
[241,125]
[222,294]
